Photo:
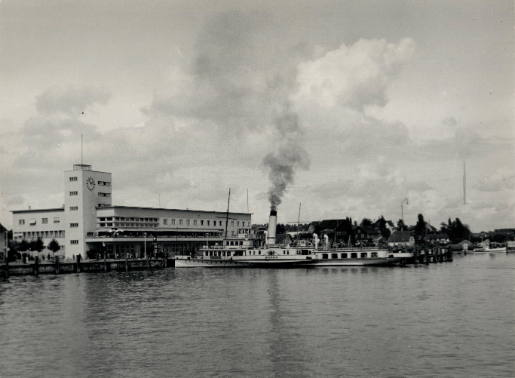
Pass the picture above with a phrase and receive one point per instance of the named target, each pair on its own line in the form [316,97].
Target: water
[453,319]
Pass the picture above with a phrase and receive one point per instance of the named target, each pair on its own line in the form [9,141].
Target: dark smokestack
[272,226]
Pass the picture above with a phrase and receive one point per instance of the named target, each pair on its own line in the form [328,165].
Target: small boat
[484,247]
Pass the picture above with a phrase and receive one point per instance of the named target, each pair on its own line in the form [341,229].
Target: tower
[464,183]
[85,191]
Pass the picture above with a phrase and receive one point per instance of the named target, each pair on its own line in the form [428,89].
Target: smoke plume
[288,156]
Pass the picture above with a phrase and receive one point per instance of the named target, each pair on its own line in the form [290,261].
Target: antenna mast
[464,183]
[247,200]
[81,148]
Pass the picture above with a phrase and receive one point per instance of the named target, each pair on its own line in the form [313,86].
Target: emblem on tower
[90,183]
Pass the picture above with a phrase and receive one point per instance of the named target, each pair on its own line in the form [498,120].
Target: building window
[201,222]
[74,193]
[100,194]
[187,222]
[57,220]
[232,223]
[220,223]
[21,222]
[74,242]
[44,220]
[32,222]
[73,178]
[208,221]
[165,221]
[195,222]
[180,221]
[74,208]
[173,221]
[74,225]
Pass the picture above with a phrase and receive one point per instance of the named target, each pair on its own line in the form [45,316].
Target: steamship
[242,252]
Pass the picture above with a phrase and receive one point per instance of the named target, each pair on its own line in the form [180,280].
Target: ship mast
[227,213]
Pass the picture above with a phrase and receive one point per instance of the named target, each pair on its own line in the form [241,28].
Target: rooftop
[165,209]
[37,210]
[400,236]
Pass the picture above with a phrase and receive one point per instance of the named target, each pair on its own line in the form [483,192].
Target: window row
[42,234]
[33,221]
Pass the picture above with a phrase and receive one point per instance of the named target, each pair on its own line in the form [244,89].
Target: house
[463,245]
[440,238]
[401,239]
[3,243]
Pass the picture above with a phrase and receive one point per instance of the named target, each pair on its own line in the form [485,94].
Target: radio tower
[464,183]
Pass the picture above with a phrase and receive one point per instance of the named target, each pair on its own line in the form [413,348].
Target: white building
[46,224]
[89,222]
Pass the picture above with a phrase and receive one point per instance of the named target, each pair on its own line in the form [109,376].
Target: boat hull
[239,263]
[490,250]
[357,262]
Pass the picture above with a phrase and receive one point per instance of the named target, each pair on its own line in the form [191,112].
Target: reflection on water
[452,319]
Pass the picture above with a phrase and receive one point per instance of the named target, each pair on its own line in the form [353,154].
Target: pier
[89,266]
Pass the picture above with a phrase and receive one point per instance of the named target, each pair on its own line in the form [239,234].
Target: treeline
[349,230]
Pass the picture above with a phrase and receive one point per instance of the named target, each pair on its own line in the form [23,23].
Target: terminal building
[88,224]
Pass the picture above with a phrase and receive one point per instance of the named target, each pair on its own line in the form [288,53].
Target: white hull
[382,261]
[204,263]
[264,262]
[490,250]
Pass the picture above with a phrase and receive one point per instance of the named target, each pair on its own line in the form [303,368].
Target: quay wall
[89,266]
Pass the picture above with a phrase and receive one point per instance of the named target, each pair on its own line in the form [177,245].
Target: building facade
[44,224]
[89,225]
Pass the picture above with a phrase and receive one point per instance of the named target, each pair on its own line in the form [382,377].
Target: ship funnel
[272,225]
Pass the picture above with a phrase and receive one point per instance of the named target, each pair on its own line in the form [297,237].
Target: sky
[348,107]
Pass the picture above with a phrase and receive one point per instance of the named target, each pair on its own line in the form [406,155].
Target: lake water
[450,319]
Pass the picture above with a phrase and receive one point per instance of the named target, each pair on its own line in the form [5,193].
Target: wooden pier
[431,255]
[89,266]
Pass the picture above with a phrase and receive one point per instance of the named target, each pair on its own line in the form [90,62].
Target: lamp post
[405,200]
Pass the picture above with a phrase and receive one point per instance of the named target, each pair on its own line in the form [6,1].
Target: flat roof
[37,210]
[165,209]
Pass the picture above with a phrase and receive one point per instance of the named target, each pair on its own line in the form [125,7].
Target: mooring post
[56,263]
[78,263]
[36,266]
[126,263]
[7,266]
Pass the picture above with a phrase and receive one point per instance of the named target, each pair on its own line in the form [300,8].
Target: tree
[400,225]
[420,229]
[54,246]
[381,224]
[36,245]
[457,231]
[24,246]
[14,247]
[280,229]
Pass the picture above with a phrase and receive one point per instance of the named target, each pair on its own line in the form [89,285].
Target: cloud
[71,100]
[353,76]
[498,181]
[231,81]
